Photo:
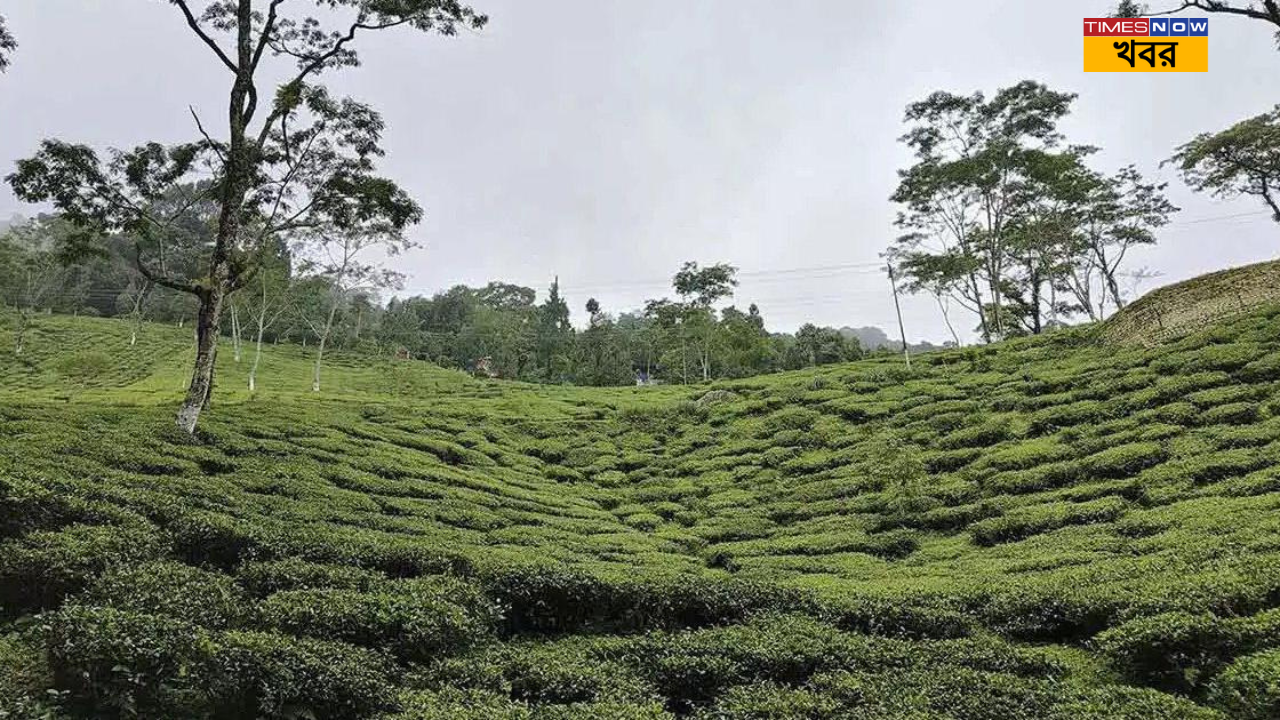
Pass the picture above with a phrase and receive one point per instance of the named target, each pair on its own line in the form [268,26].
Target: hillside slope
[1044,528]
[1184,307]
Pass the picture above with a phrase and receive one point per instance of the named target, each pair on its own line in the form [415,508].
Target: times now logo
[1146,27]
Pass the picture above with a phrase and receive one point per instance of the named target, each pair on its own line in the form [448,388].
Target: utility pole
[893,283]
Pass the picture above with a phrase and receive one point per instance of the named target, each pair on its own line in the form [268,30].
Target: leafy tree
[291,161]
[745,347]
[338,262]
[962,195]
[602,354]
[266,301]
[7,45]
[554,337]
[31,271]
[821,346]
[1244,159]
[1122,212]
[700,288]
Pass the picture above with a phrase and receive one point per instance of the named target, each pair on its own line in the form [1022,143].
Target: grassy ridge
[1043,528]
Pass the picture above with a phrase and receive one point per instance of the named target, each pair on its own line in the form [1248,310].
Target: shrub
[1058,612]
[1178,413]
[1028,454]
[197,596]
[1061,416]
[1044,477]
[643,521]
[1249,688]
[1171,651]
[771,701]
[85,365]
[981,435]
[897,617]
[26,506]
[549,598]
[418,619]
[1035,520]
[1118,702]
[1124,460]
[25,679]
[276,677]
[209,538]
[115,663]
[39,569]
[263,578]
[1240,413]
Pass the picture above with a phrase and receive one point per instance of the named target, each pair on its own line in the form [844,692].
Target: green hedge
[418,620]
[208,599]
[276,677]
[1249,688]
[40,569]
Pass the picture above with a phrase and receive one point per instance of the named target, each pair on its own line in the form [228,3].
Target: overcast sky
[607,141]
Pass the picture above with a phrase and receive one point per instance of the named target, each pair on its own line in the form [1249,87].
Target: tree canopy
[7,45]
[1244,159]
[292,164]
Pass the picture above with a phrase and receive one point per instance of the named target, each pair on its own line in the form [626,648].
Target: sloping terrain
[1181,308]
[1049,528]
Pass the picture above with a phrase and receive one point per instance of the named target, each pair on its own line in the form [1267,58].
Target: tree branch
[319,61]
[160,279]
[264,40]
[200,127]
[195,27]
[1272,14]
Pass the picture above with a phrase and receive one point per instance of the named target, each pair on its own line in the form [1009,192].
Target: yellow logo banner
[1146,54]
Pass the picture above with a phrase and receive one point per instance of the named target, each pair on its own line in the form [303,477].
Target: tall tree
[554,336]
[962,195]
[700,288]
[602,356]
[1244,159]
[302,159]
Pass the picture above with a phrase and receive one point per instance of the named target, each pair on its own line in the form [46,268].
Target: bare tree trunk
[24,318]
[706,358]
[235,331]
[139,298]
[1037,325]
[982,311]
[200,391]
[946,318]
[1114,287]
[237,170]
[324,339]
[257,357]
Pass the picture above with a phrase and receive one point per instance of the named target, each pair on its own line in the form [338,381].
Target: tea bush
[1043,528]
[1250,687]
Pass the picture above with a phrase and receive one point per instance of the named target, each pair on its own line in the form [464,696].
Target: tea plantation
[1049,528]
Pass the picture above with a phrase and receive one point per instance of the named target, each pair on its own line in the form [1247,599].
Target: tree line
[334,299]
[1000,217]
